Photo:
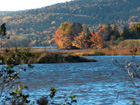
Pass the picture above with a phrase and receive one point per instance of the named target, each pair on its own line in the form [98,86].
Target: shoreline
[69,56]
[78,52]
[102,52]
[45,57]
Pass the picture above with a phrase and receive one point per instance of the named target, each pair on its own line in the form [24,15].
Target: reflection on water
[94,82]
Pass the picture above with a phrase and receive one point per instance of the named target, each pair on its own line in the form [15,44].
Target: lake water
[94,83]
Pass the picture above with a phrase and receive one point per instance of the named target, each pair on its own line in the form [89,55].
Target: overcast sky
[15,5]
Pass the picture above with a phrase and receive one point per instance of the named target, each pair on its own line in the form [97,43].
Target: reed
[49,57]
[97,52]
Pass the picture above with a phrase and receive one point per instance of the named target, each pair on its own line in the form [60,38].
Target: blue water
[102,82]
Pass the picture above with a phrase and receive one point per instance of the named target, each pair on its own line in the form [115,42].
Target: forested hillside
[5,13]
[39,25]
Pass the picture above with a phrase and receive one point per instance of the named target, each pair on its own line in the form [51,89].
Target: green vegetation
[9,74]
[43,22]
[99,53]
[6,18]
[129,43]
[6,13]
[49,99]
[76,36]
[131,69]
[51,57]
[11,91]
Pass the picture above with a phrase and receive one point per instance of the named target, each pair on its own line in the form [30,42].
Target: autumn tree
[105,32]
[96,40]
[93,41]
[76,29]
[63,36]
[82,40]
[108,32]
[62,40]
[134,31]
[70,36]
[138,26]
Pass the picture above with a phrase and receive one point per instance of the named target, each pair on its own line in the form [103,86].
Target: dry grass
[105,51]
[129,43]
[85,52]
[47,57]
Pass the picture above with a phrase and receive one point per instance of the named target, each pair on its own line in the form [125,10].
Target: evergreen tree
[115,31]
[126,33]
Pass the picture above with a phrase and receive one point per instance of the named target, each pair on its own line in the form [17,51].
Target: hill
[40,24]
[5,13]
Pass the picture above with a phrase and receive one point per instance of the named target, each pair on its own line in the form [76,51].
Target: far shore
[67,56]
[93,52]
[105,51]
[80,52]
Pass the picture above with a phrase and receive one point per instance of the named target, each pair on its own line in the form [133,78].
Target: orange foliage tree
[63,41]
[105,31]
[69,36]
[79,40]
[62,36]
[96,40]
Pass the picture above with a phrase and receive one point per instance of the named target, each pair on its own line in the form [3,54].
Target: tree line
[40,24]
[78,36]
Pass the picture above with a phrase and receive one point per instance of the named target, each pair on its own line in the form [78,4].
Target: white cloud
[14,5]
